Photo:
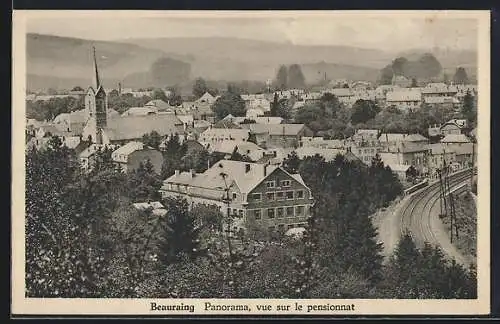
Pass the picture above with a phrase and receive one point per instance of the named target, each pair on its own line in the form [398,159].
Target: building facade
[262,196]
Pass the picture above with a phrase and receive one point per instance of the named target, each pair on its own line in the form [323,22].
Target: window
[300,194]
[241,212]
[289,195]
[234,195]
[271,184]
[257,196]
[289,211]
[270,212]
[280,212]
[258,214]
[285,183]
[280,195]
[270,196]
[299,210]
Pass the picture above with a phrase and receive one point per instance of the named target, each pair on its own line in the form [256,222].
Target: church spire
[97,81]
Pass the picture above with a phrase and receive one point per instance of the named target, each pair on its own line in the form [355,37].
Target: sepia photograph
[261,162]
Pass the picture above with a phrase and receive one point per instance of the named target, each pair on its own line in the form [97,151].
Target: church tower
[96,105]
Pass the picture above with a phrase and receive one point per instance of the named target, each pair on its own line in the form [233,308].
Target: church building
[96,106]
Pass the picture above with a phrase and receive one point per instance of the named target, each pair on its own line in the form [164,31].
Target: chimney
[119,88]
[177,172]
[265,169]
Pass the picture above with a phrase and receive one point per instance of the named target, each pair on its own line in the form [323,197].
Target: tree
[175,98]
[460,76]
[296,79]
[144,183]
[152,139]
[159,94]
[181,234]
[386,75]
[399,66]
[199,87]
[274,105]
[77,88]
[229,103]
[469,109]
[363,111]
[282,78]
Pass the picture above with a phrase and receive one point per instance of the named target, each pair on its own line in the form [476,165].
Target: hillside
[63,62]
[57,62]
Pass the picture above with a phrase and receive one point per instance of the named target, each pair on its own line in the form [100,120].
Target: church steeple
[97,81]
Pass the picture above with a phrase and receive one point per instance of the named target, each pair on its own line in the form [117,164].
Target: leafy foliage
[229,102]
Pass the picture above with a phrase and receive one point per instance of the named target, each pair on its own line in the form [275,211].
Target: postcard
[255,163]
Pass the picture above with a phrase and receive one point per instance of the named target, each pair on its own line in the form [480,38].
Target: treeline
[48,109]
[83,239]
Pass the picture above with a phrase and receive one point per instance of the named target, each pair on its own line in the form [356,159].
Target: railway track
[416,216]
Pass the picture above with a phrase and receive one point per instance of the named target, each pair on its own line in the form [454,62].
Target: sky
[395,32]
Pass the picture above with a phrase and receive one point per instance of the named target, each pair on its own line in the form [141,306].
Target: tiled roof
[440,148]
[211,183]
[399,167]
[392,137]
[405,95]
[128,148]
[229,146]
[327,153]
[455,138]
[273,129]
[134,127]
[140,111]
[158,103]
[211,133]
[441,100]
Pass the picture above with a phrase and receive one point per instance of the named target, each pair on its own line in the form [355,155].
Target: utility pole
[446,189]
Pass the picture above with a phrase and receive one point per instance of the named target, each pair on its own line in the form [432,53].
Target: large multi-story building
[263,196]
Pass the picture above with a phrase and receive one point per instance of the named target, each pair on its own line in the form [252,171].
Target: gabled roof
[229,146]
[140,111]
[327,153]
[399,167]
[403,95]
[440,148]
[206,97]
[159,104]
[273,129]
[393,137]
[134,127]
[229,132]
[455,138]
[128,148]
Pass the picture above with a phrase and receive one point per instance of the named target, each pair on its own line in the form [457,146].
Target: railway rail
[417,217]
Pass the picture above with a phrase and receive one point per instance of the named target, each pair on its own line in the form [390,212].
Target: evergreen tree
[181,235]
[469,109]
[292,163]
[282,78]
[199,87]
[144,183]
[275,106]
[152,139]
[229,102]
[296,79]
[460,76]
